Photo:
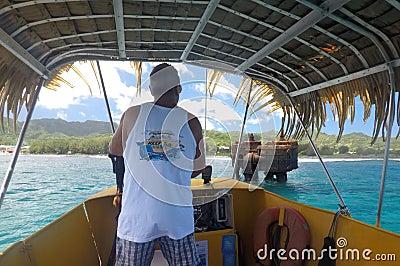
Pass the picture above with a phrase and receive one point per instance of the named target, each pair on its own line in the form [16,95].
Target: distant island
[57,136]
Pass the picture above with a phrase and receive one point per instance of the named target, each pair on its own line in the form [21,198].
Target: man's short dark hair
[163,78]
[160,67]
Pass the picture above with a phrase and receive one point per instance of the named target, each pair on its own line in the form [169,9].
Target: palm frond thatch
[372,90]
[249,36]
[137,66]
[17,85]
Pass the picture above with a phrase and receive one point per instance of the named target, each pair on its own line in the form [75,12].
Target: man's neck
[165,103]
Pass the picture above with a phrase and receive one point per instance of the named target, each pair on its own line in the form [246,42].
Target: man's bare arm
[200,157]
[115,146]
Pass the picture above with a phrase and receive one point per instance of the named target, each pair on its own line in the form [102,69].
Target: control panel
[216,214]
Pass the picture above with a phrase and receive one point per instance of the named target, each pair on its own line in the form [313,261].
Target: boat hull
[84,235]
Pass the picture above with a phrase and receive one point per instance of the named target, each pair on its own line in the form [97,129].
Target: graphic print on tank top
[160,145]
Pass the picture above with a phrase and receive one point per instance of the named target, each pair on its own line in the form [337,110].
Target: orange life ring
[298,236]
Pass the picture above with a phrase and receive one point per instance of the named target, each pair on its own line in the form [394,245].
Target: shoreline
[220,157]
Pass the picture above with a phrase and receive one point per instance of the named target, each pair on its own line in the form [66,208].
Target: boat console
[215,234]
[214,215]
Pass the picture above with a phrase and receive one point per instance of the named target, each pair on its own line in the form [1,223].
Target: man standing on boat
[161,146]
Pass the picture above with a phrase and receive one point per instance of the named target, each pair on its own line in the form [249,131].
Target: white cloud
[123,94]
[221,115]
[224,88]
[206,123]
[278,113]
[116,117]
[224,117]
[145,96]
[201,87]
[253,121]
[62,98]
[180,67]
[218,113]
[62,115]
[183,69]
[115,88]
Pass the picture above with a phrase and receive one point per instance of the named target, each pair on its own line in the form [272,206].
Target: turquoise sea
[45,187]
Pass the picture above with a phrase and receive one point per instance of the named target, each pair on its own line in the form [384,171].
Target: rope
[276,240]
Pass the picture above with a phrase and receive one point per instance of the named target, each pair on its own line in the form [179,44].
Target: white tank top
[159,153]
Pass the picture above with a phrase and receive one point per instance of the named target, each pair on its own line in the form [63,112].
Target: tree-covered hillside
[57,136]
[353,144]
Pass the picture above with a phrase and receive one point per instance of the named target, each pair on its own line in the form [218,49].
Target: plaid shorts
[177,252]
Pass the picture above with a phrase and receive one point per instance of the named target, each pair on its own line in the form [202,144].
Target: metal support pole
[389,125]
[242,129]
[20,141]
[343,206]
[105,97]
[205,113]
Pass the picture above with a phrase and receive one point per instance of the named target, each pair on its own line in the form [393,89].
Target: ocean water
[45,187]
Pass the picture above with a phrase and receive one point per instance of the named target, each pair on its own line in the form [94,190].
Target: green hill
[353,144]
[59,136]
[47,127]
[59,126]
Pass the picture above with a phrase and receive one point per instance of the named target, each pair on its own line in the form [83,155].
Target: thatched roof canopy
[314,52]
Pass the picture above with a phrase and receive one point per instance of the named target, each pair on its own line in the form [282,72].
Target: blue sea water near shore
[45,187]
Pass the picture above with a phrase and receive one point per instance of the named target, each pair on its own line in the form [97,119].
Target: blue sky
[78,104]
